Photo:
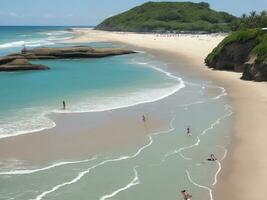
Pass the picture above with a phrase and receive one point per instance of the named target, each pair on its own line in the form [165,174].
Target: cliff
[243,51]
[19,61]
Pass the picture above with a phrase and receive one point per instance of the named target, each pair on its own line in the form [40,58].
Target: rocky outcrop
[19,61]
[255,71]
[242,51]
[233,56]
[13,63]
[238,57]
[71,52]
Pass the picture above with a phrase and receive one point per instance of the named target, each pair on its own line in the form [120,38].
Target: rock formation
[19,61]
[243,51]
[16,63]
[255,71]
[233,56]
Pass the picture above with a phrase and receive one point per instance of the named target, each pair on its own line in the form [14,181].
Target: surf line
[218,121]
[83,173]
[28,171]
[198,185]
[182,149]
[135,181]
[203,86]
[219,164]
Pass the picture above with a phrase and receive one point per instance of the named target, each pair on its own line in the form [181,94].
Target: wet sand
[81,135]
[244,174]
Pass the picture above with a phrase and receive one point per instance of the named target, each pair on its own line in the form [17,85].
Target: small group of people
[212,158]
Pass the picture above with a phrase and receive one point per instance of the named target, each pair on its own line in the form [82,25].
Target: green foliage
[261,49]
[170,16]
[253,20]
[242,36]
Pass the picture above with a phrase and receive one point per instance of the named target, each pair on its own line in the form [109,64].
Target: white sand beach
[244,175]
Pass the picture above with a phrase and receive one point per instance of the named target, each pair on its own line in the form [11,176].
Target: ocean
[169,161]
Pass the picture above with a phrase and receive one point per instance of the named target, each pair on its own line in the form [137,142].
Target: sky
[92,12]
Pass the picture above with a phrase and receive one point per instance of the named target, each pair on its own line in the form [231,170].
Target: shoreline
[236,179]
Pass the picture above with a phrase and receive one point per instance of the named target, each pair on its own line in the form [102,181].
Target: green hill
[169,16]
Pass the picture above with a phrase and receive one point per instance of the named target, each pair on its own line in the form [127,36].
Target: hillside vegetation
[240,37]
[170,16]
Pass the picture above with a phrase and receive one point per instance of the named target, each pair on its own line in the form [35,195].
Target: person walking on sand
[186,195]
[64,105]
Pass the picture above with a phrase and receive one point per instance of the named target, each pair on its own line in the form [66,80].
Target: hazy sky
[91,12]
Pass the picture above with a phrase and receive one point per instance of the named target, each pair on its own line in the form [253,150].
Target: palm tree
[253,14]
[244,16]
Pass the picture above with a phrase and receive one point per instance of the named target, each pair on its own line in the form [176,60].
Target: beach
[244,171]
[99,147]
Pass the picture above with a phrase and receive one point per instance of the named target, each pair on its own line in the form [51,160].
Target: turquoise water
[85,85]
[167,163]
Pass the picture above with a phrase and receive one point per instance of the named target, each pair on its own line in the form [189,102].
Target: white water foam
[32,171]
[123,101]
[49,38]
[198,185]
[219,164]
[133,183]
[32,43]
[26,121]
[83,173]
[218,121]
[179,151]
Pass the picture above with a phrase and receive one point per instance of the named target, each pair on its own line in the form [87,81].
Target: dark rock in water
[72,52]
[19,61]
[18,64]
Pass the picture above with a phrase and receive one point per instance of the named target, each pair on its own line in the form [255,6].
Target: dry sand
[244,175]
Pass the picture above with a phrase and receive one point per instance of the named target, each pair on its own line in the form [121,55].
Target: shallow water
[86,85]
[167,163]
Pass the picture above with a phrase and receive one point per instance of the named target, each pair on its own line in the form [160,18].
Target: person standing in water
[144,118]
[186,195]
[64,105]
[188,131]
